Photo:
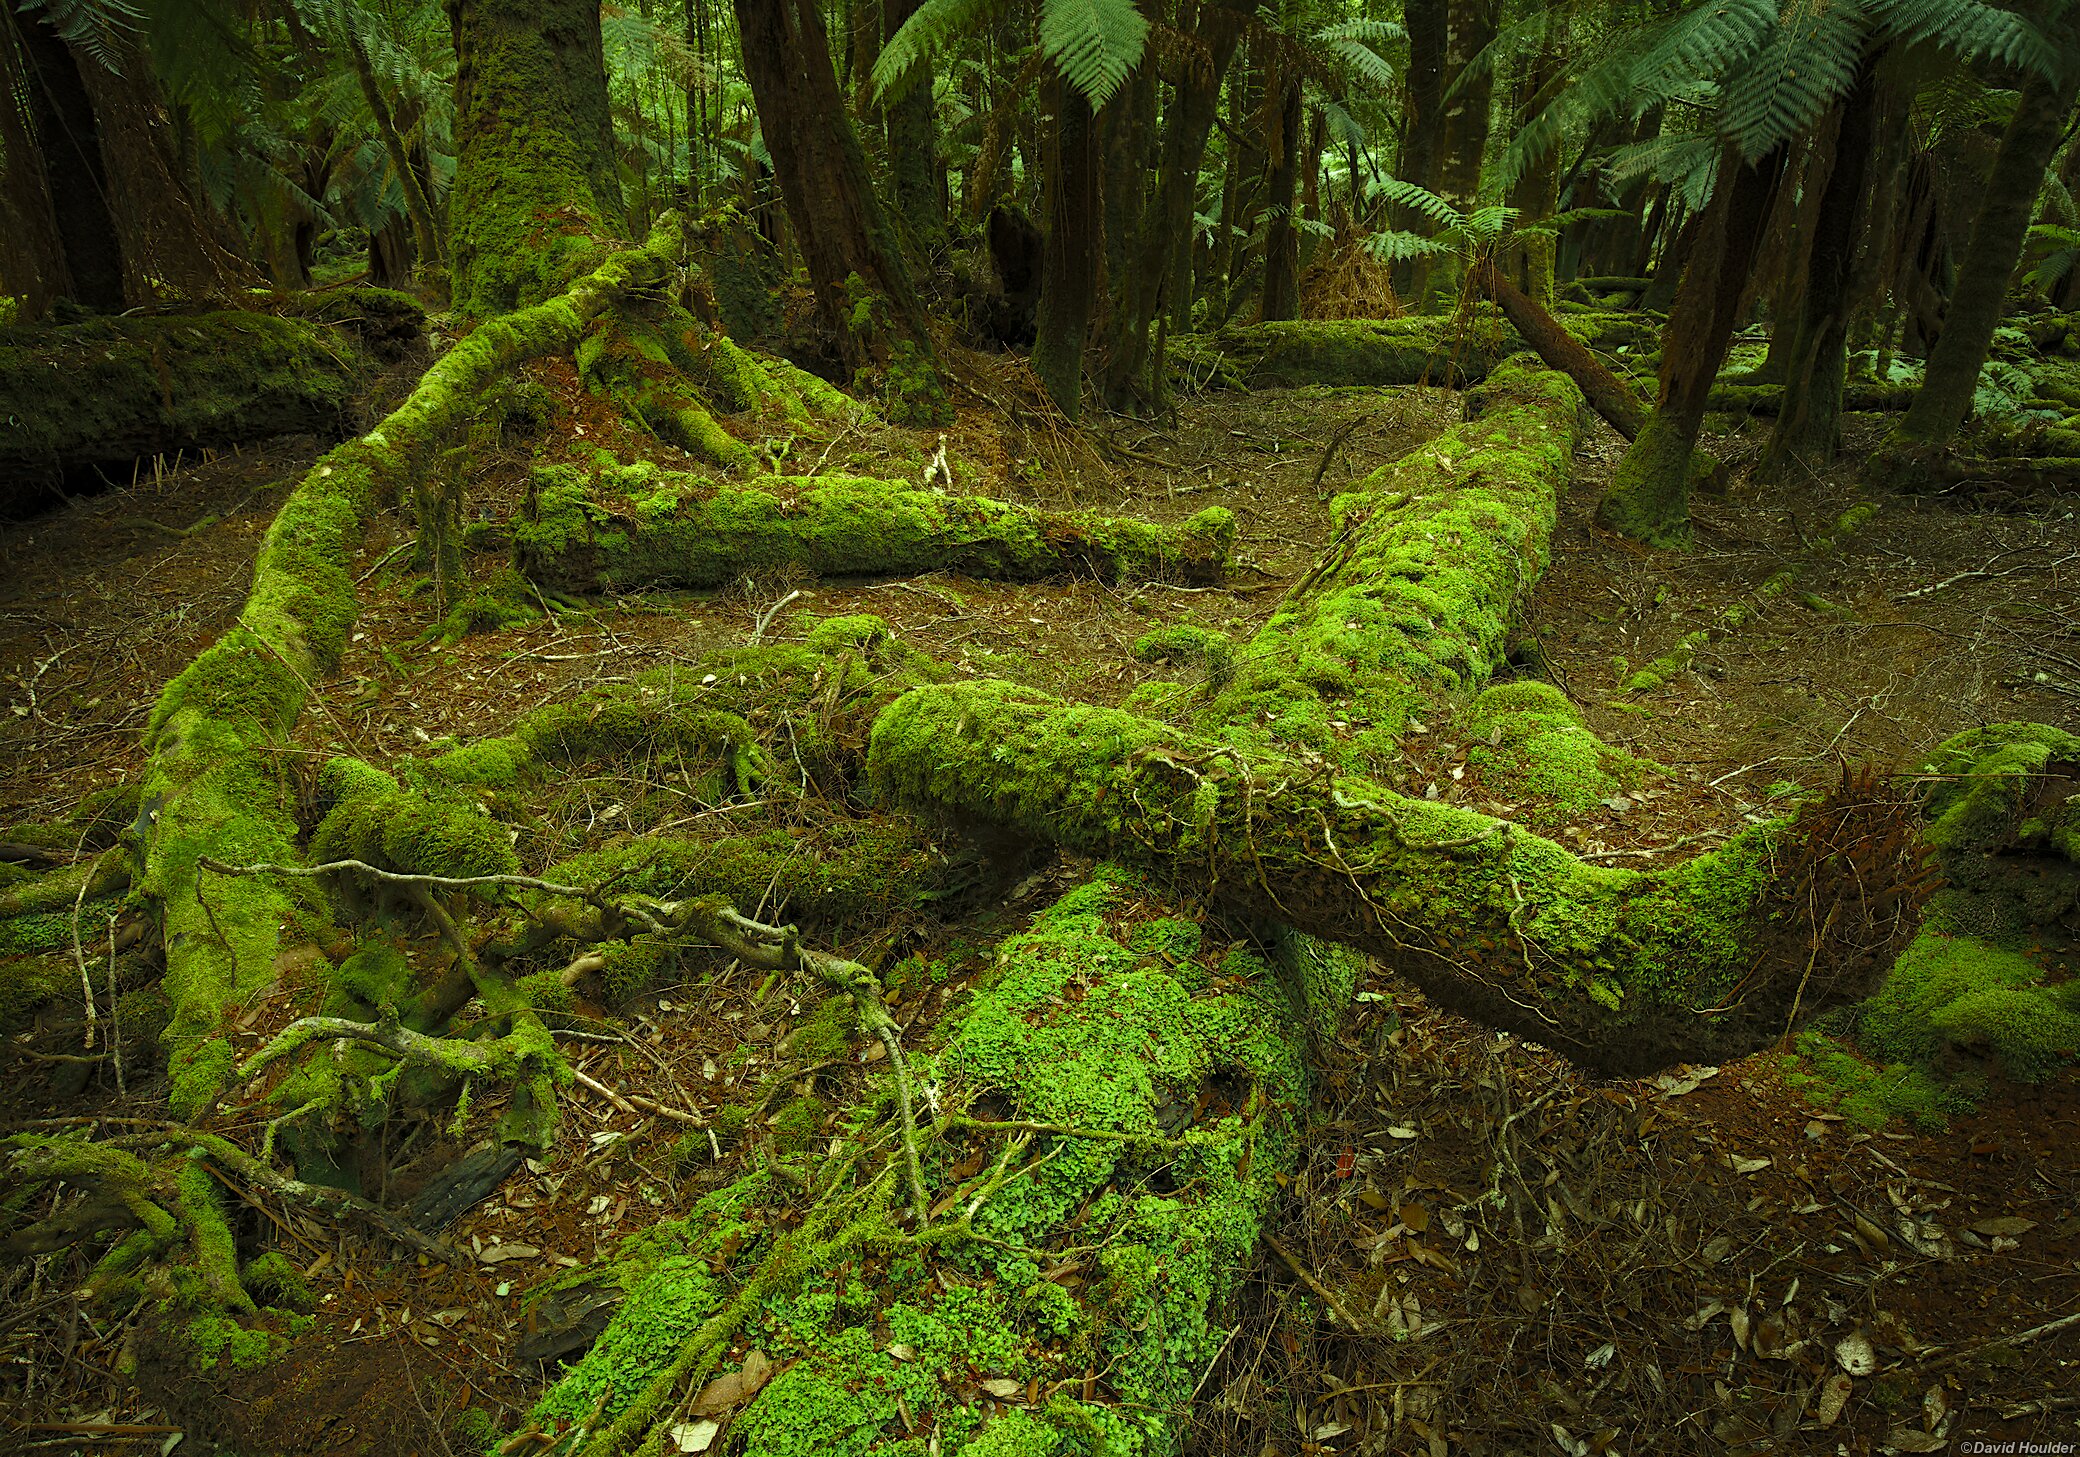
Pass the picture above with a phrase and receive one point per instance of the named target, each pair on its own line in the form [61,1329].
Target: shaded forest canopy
[899,727]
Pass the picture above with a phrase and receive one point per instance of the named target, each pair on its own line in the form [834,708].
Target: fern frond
[1093,43]
[1422,199]
[1971,30]
[1357,56]
[1704,42]
[1395,246]
[1804,68]
[932,26]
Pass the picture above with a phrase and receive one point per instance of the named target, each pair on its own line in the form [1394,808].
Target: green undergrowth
[1984,992]
[1114,1248]
[636,526]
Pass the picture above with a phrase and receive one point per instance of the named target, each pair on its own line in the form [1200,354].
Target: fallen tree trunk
[1618,402]
[102,394]
[1418,349]
[686,532]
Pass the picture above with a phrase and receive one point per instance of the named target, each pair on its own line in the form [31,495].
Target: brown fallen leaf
[733,1390]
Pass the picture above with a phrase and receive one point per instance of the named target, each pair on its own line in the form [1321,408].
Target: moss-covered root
[214,782]
[1621,970]
[1413,597]
[1087,1231]
[667,530]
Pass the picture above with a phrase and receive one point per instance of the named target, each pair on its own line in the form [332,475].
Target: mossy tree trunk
[1998,233]
[65,132]
[1649,495]
[914,163]
[535,196]
[1281,296]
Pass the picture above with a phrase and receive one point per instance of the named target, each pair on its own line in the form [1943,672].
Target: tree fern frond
[1358,57]
[1705,41]
[1422,199]
[1971,30]
[1392,245]
[1093,43]
[1809,64]
[931,27]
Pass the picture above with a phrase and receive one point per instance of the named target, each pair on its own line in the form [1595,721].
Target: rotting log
[1612,398]
[1417,349]
[1768,399]
[1623,971]
[685,531]
[104,393]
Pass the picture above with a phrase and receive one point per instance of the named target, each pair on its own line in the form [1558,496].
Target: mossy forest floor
[1714,1244]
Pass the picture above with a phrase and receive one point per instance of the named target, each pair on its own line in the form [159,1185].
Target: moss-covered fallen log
[635,527]
[1768,399]
[1434,349]
[101,394]
[1114,1109]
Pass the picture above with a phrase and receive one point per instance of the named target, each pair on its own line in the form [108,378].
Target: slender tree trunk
[913,146]
[1281,297]
[535,190]
[1998,234]
[1163,275]
[1422,122]
[1608,395]
[1126,130]
[1649,496]
[852,258]
[1816,363]
[426,235]
[1468,101]
[1069,265]
[62,119]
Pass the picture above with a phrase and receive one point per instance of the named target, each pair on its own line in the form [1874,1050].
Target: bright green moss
[1214,652]
[1957,992]
[827,1033]
[1831,1075]
[1528,740]
[685,531]
[272,1278]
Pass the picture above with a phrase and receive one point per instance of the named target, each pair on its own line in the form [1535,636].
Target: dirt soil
[1486,1251]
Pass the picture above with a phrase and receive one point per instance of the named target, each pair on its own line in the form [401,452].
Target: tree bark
[844,238]
[913,145]
[63,123]
[1998,234]
[1649,495]
[1816,364]
[1422,122]
[1616,401]
[1281,295]
[535,194]
[1069,264]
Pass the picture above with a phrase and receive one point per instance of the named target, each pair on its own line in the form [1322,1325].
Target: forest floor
[1715,1248]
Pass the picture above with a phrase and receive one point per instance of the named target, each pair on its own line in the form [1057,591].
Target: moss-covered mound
[1418,349]
[106,392]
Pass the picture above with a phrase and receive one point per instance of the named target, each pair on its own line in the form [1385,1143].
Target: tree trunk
[1422,123]
[1281,297]
[1816,364]
[1160,278]
[1069,265]
[426,235]
[63,123]
[1998,235]
[853,261]
[913,145]
[1649,495]
[1608,395]
[535,194]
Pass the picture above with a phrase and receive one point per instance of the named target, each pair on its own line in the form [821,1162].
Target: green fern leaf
[932,26]
[1093,43]
[1804,68]
[1395,246]
[1422,199]
[1704,42]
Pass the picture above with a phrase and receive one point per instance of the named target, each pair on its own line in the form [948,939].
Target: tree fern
[1809,61]
[1391,245]
[1352,45]
[1422,199]
[932,26]
[1970,30]
[1704,41]
[1093,43]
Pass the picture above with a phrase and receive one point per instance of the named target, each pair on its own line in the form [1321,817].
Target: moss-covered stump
[1116,1105]
[106,392]
[1975,996]
[638,527]
[1418,349]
